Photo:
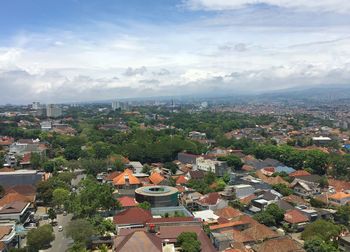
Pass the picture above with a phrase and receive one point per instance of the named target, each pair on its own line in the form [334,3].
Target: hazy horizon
[73,50]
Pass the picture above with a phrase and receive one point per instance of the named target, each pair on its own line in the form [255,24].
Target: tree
[275,211]
[272,215]
[323,182]
[40,238]
[318,245]
[101,225]
[321,229]
[343,215]
[92,197]
[35,160]
[60,196]
[146,169]
[232,161]
[171,166]
[144,205]
[80,230]
[52,214]
[317,203]
[188,241]
[236,204]
[265,218]
[282,189]
[72,152]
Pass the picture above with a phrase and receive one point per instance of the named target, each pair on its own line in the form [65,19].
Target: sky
[88,50]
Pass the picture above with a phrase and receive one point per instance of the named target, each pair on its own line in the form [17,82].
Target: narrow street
[61,243]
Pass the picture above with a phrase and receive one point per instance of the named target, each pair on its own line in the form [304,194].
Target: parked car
[64,213]
[60,228]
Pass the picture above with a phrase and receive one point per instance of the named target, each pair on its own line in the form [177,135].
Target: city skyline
[84,51]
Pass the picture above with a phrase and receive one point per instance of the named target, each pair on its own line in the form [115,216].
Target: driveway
[61,243]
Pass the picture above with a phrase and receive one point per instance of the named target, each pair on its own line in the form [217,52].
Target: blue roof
[286,169]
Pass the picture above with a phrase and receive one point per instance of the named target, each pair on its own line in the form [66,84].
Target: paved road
[61,243]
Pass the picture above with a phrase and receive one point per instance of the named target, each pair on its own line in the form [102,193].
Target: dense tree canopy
[321,229]
[40,237]
[188,241]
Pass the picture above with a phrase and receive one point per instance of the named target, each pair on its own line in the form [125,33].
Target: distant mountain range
[324,93]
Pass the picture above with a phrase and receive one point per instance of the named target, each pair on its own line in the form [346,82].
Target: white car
[60,228]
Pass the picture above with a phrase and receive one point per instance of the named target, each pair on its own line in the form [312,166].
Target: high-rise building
[36,105]
[115,105]
[53,111]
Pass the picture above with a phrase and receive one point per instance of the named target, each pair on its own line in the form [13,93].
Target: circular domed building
[157,196]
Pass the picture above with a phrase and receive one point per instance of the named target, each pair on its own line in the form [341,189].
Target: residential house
[134,217]
[306,186]
[7,236]
[228,213]
[189,200]
[127,202]
[170,234]
[339,198]
[242,191]
[296,219]
[195,175]
[211,201]
[137,241]
[126,180]
[278,245]
[181,180]
[206,216]
[16,210]
[156,179]
[186,158]
[209,165]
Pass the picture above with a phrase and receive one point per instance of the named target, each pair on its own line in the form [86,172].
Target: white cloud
[341,6]
[199,57]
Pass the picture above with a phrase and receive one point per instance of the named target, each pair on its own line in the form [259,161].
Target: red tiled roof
[210,198]
[112,175]
[256,230]
[172,232]
[181,180]
[12,197]
[247,168]
[228,213]
[339,185]
[295,216]
[156,178]
[228,224]
[121,178]
[247,199]
[299,173]
[138,241]
[5,230]
[133,215]
[127,201]
[181,189]
[27,190]
[269,169]
[6,141]
[26,158]
[278,245]
[295,199]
